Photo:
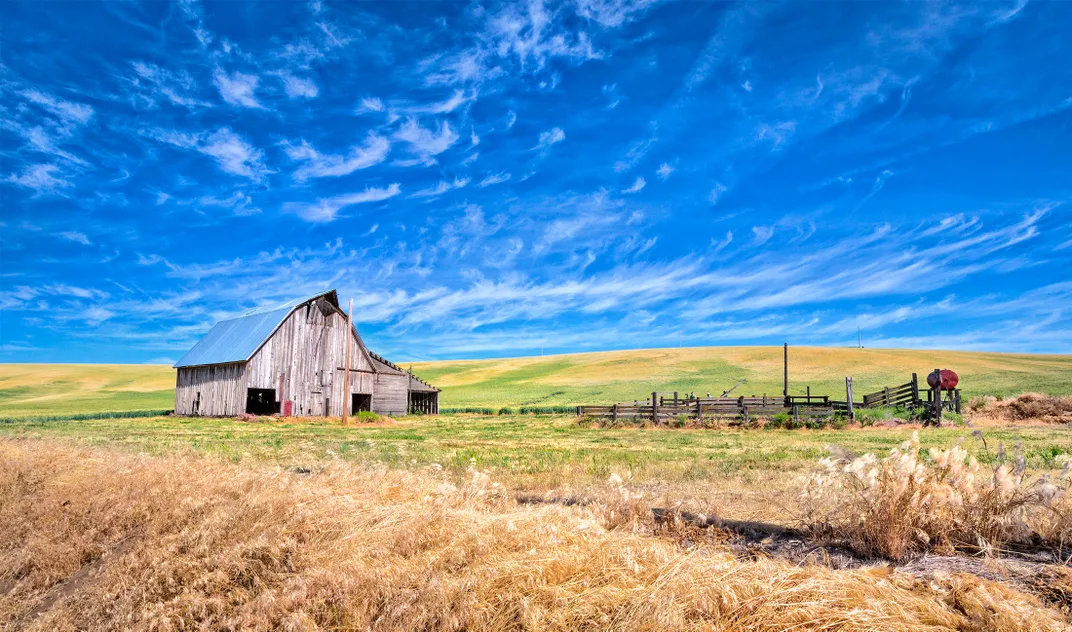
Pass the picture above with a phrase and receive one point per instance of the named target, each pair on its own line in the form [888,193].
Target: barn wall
[222,390]
[309,351]
[391,394]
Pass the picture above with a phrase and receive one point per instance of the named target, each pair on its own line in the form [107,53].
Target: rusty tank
[949,380]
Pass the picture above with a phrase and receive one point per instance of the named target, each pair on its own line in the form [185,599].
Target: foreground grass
[104,539]
[586,378]
[531,450]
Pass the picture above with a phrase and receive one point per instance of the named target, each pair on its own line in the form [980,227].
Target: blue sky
[496,180]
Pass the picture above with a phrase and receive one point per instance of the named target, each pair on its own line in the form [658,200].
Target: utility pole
[785,373]
[346,374]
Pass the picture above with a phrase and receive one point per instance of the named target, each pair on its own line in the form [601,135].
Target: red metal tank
[949,380]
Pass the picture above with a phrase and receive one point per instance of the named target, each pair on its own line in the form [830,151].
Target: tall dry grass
[1030,407]
[95,539]
[905,504]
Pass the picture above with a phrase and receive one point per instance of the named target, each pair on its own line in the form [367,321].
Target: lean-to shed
[291,359]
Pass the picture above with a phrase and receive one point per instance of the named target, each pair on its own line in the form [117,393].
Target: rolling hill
[55,389]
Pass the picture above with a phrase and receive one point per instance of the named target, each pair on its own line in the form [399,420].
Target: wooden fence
[741,409]
[906,395]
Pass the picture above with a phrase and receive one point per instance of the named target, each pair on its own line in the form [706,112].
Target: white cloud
[610,91]
[495,178]
[152,83]
[761,234]
[317,165]
[425,143]
[716,192]
[638,184]
[327,210]
[441,188]
[550,137]
[238,89]
[234,154]
[75,236]
[39,178]
[370,104]
[69,111]
[298,87]
[664,171]
[238,202]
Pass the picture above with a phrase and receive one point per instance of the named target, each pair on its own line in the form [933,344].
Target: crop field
[531,522]
[587,378]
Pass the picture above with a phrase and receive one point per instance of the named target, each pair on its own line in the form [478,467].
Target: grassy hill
[627,375]
[54,389]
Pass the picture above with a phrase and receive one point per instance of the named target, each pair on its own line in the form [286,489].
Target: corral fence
[733,410]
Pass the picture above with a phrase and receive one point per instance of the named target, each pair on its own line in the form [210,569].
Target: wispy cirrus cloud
[494,178]
[441,188]
[424,143]
[327,209]
[40,178]
[238,88]
[637,185]
[317,165]
[550,137]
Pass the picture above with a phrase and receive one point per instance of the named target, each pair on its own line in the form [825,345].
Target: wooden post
[886,389]
[848,398]
[809,393]
[785,371]
[956,400]
[675,399]
[699,411]
[796,415]
[614,413]
[346,373]
[938,397]
[409,389]
[915,390]
[744,411]
[654,409]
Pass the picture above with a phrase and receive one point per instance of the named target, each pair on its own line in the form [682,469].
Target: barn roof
[237,339]
[416,384]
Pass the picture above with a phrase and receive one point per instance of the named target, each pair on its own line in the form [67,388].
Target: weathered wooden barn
[291,359]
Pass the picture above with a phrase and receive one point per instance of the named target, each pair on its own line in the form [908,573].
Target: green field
[41,389]
[529,450]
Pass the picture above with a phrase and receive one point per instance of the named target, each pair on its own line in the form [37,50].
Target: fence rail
[742,409]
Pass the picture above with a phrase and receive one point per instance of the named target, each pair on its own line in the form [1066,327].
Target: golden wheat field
[102,539]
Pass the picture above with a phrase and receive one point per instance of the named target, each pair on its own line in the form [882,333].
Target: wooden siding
[217,390]
[391,396]
[309,352]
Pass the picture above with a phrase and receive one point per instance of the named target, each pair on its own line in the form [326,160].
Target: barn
[291,359]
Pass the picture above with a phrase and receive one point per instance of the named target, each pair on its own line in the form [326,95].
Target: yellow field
[584,378]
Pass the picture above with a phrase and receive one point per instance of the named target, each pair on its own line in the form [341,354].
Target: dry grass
[99,539]
[1029,407]
[905,504]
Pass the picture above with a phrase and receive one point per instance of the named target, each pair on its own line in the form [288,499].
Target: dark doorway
[261,401]
[360,402]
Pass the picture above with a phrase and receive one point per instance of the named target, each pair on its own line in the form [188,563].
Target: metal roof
[237,339]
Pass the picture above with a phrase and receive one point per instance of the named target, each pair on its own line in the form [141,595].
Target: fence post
[614,413]
[956,400]
[938,397]
[915,390]
[699,411]
[848,398]
[886,390]
[744,410]
[796,415]
[578,411]
[675,398]
[654,409]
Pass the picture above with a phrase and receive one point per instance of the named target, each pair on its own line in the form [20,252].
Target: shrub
[369,417]
[902,505]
